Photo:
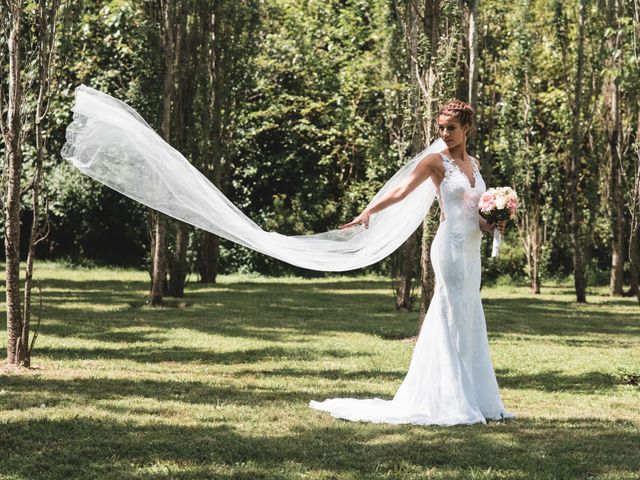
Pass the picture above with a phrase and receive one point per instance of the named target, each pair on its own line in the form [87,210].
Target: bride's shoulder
[477,162]
[433,161]
[435,158]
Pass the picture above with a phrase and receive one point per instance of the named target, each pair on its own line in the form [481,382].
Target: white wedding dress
[451,379]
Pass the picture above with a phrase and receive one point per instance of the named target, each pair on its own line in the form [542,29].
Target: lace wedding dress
[450,378]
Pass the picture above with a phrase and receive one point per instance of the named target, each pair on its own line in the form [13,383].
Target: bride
[450,378]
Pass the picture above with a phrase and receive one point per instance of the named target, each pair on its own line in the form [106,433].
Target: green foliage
[527,71]
[312,131]
[92,221]
[316,113]
[509,263]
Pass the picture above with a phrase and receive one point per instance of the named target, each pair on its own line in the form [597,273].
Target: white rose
[501,202]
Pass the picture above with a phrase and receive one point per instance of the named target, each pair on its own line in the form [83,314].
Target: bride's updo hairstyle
[460,110]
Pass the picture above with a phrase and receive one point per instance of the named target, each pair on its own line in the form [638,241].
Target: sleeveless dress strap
[448,164]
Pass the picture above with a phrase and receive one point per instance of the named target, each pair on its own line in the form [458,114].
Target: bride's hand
[362,218]
[501,225]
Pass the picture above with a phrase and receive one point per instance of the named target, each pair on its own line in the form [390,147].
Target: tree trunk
[208,257]
[19,316]
[575,226]
[473,54]
[47,27]
[614,134]
[179,264]
[428,282]
[402,281]
[158,260]
[431,31]
[209,249]
[406,272]
[618,227]
[159,220]
[16,350]
[530,216]
[533,247]
[183,102]
[634,237]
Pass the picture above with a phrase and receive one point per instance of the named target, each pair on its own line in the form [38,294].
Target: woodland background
[299,111]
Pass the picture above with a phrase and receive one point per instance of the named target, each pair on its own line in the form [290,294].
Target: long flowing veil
[110,142]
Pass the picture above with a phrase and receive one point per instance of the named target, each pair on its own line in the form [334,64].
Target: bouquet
[496,205]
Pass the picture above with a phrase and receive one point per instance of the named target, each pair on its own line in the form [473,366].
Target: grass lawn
[217,386]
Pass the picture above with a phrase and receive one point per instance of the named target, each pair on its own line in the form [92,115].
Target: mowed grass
[217,386]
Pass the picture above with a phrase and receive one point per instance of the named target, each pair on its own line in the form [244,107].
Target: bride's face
[451,131]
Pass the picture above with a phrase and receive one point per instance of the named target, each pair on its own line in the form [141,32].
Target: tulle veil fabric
[110,142]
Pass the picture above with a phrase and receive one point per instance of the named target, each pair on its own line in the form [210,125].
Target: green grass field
[217,385]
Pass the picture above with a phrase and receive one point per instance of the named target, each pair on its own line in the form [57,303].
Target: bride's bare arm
[424,169]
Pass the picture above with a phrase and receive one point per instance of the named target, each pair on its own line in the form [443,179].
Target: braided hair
[460,110]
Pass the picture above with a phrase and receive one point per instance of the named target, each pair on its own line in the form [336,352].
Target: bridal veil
[110,142]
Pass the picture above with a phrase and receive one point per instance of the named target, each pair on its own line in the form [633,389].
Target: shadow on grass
[29,391]
[556,381]
[147,354]
[250,310]
[327,374]
[83,448]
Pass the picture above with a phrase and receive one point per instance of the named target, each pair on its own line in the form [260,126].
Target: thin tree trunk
[634,236]
[531,234]
[47,23]
[183,98]
[179,264]
[618,228]
[428,279]
[473,54]
[431,31]
[18,316]
[530,218]
[404,282]
[158,272]
[209,247]
[576,234]
[160,220]
[16,351]
[406,272]
[614,133]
